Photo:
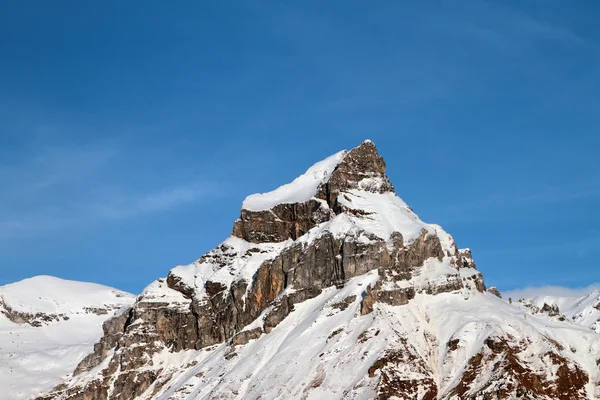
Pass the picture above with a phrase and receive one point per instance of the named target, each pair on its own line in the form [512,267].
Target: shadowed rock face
[282,222]
[194,318]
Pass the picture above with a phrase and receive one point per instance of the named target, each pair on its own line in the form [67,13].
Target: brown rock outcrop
[494,290]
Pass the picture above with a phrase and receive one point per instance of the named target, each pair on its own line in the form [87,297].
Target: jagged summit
[291,210]
[344,169]
[332,287]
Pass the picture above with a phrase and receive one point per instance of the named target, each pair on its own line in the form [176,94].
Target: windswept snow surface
[33,359]
[299,190]
[385,213]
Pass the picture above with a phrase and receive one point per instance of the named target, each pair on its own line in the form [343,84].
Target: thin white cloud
[118,207]
[578,246]
[556,291]
[125,206]
[51,166]
[501,205]
[65,187]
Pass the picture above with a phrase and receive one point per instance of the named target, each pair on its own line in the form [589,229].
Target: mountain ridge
[47,326]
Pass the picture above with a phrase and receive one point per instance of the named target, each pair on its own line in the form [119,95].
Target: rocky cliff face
[339,240]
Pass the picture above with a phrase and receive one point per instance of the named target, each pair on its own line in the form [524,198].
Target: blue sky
[130,135]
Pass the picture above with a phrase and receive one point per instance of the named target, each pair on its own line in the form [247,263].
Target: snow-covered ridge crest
[299,190]
[583,310]
[47,326]
[43,299]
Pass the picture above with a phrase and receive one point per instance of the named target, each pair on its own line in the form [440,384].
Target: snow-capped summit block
[351,167]
[299,190]
[313,198]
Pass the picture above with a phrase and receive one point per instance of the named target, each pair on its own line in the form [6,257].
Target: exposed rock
[113,329]
[368,300]
[282,222]
[342,305]
[245,336]
[38,319]
[362,168]
[453,344]
[403,376]
[393,296]
[494,290]
[514,379]
[551,310]
[335,333]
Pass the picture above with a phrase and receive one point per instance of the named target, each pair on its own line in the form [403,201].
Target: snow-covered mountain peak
[332,287]
[361,167]
[346,192]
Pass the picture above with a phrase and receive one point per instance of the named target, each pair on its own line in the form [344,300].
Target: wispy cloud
[579,247]
[124,206]
[50,166]
[558,291]
[63,187]
[506,28]
[502,205]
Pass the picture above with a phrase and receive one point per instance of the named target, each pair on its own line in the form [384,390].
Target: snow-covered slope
[330,287]
[325,351]
[48,325]
[442,346]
